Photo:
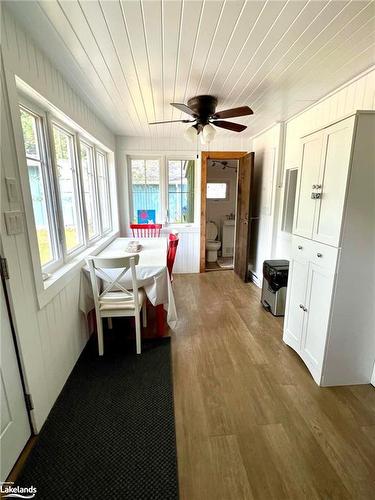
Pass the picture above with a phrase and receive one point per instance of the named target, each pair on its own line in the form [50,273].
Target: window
[181,191]
[145,179]
[33,135]
[89,189]
[103,184]
[162,189]
[217,190]
[69,186]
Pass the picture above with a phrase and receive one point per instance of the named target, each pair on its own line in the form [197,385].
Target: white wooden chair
[115,300]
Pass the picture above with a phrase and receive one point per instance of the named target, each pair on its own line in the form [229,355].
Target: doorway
[221,204]
[243,162]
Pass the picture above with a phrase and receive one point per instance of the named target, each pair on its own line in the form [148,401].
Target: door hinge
[4,268]
[29,402]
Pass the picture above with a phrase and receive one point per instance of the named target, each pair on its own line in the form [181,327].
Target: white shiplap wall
[358,94]
[50,339]
[266,193]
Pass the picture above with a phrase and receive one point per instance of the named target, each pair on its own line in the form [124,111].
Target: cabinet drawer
[324,256]
[301,248]
[312,251]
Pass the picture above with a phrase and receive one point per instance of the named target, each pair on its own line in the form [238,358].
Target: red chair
[146,230]
[172,250]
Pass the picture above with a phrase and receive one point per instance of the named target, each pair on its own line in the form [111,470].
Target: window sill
[60,278]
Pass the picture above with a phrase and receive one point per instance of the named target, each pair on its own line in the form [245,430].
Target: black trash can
[275,280]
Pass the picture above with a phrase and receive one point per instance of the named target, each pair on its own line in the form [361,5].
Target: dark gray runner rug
[111,433]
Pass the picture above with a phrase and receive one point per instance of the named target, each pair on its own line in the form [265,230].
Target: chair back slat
[146,230]
[109,284]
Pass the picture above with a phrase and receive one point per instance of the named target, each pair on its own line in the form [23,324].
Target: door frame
[205,156]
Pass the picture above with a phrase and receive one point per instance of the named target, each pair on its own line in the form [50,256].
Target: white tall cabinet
[330,311]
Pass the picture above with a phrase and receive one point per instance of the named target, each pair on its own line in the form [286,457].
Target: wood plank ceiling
[130,59]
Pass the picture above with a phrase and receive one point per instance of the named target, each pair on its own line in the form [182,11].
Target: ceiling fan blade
[235,127]
[184,108]
[231,113]
[172,121]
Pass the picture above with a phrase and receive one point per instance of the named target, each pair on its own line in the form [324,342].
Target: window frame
[169,158]
[45,122]
[99,151]
[68,255]
[92,147]
[163,198]
[130,184]
[227,183]
[48,183]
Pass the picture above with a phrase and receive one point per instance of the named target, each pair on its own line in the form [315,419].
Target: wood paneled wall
[50,339]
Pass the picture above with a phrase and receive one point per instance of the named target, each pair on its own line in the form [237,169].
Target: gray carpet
[111,433]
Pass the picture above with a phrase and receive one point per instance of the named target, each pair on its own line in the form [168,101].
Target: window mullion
[80,189]
[59,216]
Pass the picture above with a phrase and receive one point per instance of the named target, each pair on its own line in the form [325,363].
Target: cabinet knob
[319,254]
[301,306]
[304,309]
[318,186]
[314,186]
[299,247]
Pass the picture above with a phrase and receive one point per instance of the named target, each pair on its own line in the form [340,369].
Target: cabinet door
[308,177]
[296,294]
[317,311]
[333,181]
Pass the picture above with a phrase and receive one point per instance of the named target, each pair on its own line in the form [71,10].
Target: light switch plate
[11,185]
[14,222]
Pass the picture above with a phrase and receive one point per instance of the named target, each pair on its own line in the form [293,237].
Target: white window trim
[110,208]
[65,270]
[163,159]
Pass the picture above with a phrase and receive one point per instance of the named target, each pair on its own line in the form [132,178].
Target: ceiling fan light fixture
[208,133]
[191,134]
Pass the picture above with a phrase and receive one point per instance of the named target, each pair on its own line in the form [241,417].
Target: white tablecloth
[152,274]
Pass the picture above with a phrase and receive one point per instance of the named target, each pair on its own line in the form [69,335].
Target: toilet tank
[227,245]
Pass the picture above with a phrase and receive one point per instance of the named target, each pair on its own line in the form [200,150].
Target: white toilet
[212,245]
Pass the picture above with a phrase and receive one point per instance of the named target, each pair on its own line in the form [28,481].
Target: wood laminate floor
[250,420]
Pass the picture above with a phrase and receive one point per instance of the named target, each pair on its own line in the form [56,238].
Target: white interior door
[15,428]
[317,310]
[333,181]
[307,178]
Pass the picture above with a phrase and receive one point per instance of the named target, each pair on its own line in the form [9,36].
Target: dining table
[152,276]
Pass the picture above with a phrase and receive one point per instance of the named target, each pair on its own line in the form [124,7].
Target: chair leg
[138,332]
[99,328]
[144,314]
[110,325]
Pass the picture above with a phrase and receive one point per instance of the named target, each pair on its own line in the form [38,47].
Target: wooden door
[333,181]
[242,243]
[15,428]
[308,177]
[319,290]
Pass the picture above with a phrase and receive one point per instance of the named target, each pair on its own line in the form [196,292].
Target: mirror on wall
[289,199]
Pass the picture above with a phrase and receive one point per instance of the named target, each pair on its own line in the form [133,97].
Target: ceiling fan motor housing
[203,106]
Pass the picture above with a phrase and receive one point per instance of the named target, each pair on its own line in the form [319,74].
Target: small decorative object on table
[133,247]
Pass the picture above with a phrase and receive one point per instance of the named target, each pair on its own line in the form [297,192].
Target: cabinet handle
[314,186]
[319,254]
[299,247]
[318,186]
[316,196]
